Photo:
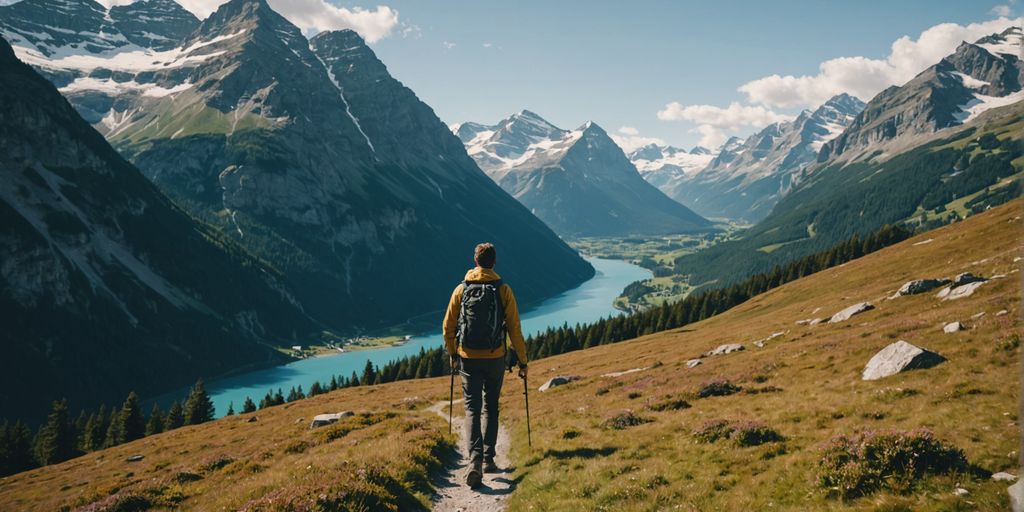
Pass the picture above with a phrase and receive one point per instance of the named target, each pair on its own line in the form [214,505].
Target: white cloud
[732,117]
[713,122]
[710,137]
[447,45]
[317,16]
[865,77]
[629,139]
[488,45]
[1001,10]
[313,16]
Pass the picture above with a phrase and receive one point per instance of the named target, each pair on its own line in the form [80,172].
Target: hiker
[481,312]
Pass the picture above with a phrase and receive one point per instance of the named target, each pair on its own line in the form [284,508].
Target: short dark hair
[485,255]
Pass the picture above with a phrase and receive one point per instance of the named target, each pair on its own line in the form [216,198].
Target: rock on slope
[105,285]
[579,182]
[340,178]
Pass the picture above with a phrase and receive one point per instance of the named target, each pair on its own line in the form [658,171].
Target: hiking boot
[475,477]
[490,466]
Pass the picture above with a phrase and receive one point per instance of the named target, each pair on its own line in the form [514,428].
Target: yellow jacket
[515,331]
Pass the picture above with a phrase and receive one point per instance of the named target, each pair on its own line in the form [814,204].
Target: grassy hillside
[804,385]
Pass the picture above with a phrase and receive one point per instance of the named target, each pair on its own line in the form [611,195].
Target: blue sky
[620,64]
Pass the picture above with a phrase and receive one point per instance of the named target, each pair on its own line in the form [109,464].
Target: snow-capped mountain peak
[578,181]
[1007,43]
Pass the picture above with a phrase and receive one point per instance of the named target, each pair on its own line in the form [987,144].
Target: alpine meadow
[317,255]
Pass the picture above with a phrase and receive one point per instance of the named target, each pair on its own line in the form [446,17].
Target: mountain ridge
[103,274]
[244,126]
[578,181]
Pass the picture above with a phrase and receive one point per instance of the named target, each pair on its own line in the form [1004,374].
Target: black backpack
[482,317]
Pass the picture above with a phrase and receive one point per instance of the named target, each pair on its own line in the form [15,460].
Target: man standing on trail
[481,313]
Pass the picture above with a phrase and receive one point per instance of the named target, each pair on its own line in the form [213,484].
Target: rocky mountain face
[156,24]
[103,278]
[59,28]
[579,182]
[747,178]
[977,77]
[313,158]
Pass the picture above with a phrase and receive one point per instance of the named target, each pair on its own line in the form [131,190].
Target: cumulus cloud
[865,77]
[1001,10]
[713,122]
[314,16]
[629,139]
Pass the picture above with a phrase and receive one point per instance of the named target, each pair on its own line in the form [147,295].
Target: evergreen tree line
[696,307]
[63,437]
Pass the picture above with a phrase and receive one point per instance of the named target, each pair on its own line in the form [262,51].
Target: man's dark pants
[481,387]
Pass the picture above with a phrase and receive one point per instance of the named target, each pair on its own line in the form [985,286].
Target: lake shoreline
[589,302]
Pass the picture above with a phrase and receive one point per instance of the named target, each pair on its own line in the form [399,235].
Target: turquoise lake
[588,302]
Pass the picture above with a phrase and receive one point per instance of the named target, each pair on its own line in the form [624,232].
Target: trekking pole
[451,399]
[529,432]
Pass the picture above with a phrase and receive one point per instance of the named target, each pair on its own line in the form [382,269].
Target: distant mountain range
[667,167]
[106,285]
[577,181]
[946,144]
[307,153]
[743,179]
[975,78]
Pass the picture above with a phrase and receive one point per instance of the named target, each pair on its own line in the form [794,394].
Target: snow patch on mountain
[1010,44]
[981,103]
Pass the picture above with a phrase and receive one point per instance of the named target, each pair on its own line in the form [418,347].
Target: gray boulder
[921,286]
[1016,492]
[899,357]
[326,419]
[560,380]
[728,348]
[960,292]
[855,309]
[967,278]
[693,363]
[1003,476]
[953,327]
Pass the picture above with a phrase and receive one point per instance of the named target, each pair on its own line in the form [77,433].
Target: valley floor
[804,384]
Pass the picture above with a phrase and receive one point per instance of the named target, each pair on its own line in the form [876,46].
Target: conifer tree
[155,425]
[248,406]
[231,409]
[15,448]
[198,406]
[56,440]
[369,374]
[175,417]
[95,431]
[133,423]
[315,389]
[115,430]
